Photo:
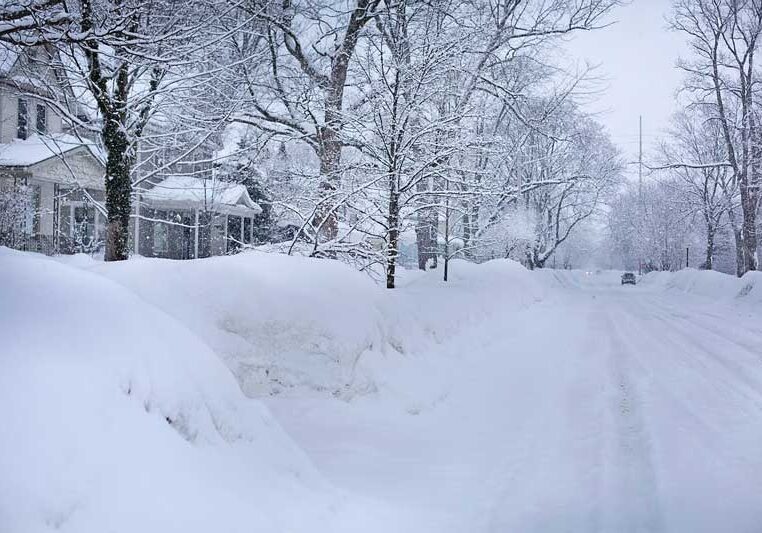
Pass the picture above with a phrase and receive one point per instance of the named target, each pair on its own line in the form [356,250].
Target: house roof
[190,192]
[38,148]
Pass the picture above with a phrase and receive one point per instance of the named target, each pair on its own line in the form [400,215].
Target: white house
[60,178]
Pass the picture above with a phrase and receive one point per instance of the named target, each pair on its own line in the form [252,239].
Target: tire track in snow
[631,481]
[705,423]
[723,398]
[549,477]
[744,380]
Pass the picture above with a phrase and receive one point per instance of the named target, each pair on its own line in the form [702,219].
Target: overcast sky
[637,56]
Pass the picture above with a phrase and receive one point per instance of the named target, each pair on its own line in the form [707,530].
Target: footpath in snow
[267,393]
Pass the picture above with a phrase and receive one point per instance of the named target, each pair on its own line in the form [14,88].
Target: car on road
[628,278]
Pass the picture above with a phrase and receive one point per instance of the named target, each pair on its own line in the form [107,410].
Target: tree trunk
[392,248]
[470,228]
[426,229]
[326,222]
[447,239]
[466,222]
[118,192]
[738,238]
[749,229]
[426,239]
[708,263]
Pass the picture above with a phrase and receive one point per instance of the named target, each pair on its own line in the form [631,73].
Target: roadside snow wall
[286,324]
[709,284]
[117,417]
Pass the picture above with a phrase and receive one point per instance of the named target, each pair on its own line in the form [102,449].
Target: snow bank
[709,284]
[285,324]
[473,293]
[118,414]
[278,322]
[578,278]
[117,417]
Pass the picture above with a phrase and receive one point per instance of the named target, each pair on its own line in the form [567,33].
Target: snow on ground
[505,400]
[292,323]
[278,322]
[708,283]
[598,408]
[116,417]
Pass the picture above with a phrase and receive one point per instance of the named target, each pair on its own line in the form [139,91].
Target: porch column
[226,235]
[195,243]
[251,231]
[242,224]
[56,218]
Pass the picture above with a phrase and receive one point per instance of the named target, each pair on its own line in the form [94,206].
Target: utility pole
[687,249]
[640,190]
[640,158]
[447,230]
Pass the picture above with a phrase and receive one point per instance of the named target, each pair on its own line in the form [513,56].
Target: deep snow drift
[290,323]
[710,284]
[116,417]
[505,400]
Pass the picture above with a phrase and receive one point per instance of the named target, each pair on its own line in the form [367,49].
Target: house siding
[80,168]
[9,112]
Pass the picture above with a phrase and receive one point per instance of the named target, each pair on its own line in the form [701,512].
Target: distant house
[52,184]
[183,217]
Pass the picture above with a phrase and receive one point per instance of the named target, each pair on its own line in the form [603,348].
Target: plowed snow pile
[116,417]
[119,413]
[708,283]
[285,324]
[264,393]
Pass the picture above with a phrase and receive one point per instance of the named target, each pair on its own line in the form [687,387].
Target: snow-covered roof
[38,148]
[190,192]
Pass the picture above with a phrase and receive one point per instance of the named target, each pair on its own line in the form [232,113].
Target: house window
[22,130]
[84,226]
[160,238]
[100,227]
[42,119]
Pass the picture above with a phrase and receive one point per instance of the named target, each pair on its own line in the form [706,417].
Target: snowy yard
[266,393]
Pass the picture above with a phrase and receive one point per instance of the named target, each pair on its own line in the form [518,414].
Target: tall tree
[704,187]
[311,45]
[724,35]
[130,60]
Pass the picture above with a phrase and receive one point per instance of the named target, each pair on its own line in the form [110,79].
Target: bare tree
[34,21]
[724,37]
[310,46]
[130,60]
[705,189]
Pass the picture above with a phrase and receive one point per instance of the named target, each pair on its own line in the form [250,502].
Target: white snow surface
[504,400]
[117,417]
[707,283]
[37,148]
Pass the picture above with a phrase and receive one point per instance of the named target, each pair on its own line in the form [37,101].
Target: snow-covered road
[600,408]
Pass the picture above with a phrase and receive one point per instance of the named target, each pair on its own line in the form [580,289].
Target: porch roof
[38,148]
[190,192]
